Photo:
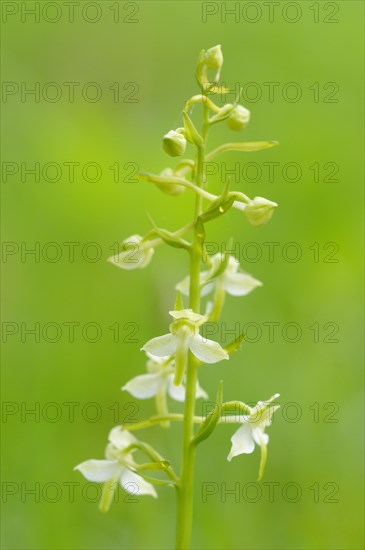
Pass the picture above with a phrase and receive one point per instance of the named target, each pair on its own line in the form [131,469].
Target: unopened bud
[259,210]
[239,118]
[209,59]
[214,60]
[174,143]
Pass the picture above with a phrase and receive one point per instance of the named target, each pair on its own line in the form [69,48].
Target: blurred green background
[316,438]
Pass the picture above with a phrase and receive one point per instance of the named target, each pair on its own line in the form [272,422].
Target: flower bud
[259,210]
[214,57]
[174,143]
[239,118]
[170,187]
[209,59]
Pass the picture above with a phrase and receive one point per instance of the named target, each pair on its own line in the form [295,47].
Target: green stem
[234,406]
[185,488]
[157,419]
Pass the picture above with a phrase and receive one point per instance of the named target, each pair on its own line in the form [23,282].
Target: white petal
[216,262]
[162,346]
[207,350]
[261,414]
[134,256]
[260,437]
[240,284]
[242,442]
[233,265]
[135,484]
[136,239]
[184,286]
[111,452]
[147,257]
[208,308]
[207,289]
[175,392]
[124,261]
[145,385]
[154,364]
[99,470]
[121,439]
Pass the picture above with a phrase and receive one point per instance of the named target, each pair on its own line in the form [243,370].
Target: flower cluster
[174,359]
[118,467]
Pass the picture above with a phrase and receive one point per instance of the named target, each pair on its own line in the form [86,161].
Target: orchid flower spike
[253,431]
[135,254]
[118,467]
[184,336]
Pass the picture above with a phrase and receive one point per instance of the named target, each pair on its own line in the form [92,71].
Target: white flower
[259,210]
[159,379]
[233,281]
[185,335]
[253,431]
[239,118]
[116,467]
[174,142]
[136,254]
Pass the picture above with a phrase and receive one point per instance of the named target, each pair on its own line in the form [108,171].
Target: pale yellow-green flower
[252,431]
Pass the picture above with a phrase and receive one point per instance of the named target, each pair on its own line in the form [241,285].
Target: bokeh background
[315,450]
